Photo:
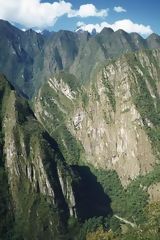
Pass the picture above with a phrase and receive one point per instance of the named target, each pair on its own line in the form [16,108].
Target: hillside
[112,126]
[79,135]
[40,193]
[38,57]
[113,120]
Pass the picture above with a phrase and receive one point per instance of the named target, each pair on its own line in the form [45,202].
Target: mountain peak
[154,36]
[106,30]
[31,32]
[5,23]
[121,32]
[136,35]
[7,27]
[46,33]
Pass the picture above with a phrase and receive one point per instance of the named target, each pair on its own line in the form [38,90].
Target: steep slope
[104,117]
[40,193]
[113,122]
[19,49]
[5,204]
[39,181]
[38,57]
[88,52]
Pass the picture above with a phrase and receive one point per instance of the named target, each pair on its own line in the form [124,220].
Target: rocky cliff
[40,183]
[40,192]
[113,120]
[111,124]
[86,147]
[39,56]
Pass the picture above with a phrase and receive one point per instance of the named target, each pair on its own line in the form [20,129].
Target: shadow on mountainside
[91,201]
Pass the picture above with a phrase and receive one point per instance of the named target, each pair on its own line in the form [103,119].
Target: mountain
[79,135]
[46,33]
[18,53]
[40,56]
[112,125]
[29,158]
[41,192]
[113,120]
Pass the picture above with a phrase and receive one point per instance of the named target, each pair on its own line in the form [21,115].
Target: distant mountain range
[28,58]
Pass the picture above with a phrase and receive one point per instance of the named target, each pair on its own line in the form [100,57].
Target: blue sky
[145,12]
[142,16]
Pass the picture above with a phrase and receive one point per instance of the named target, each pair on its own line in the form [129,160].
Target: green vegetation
[36,213]
[131,204]
[59,109]
[6,215]
[72,149]
[150,228]
[69,79]
[100,234]
[33,216]
[95,92]
[85,99]
[91,225]
[109,90]
[145,97]
[127,203]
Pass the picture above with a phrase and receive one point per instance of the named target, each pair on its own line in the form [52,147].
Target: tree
[100,234]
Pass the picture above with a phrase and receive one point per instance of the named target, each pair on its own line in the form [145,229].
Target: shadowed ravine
[89,195]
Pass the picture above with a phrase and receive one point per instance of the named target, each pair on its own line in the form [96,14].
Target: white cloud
[125,24]
[88,10]
[79,24]
[119,9]
[34,13]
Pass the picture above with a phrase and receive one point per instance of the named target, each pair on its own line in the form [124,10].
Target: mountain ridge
[79,135]
[39,57]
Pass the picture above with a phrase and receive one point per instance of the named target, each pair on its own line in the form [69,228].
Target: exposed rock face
[40,56]
[35,167]
[68,193]
[104,116]
[112,117]
[43,188]
[62,87]
[111,128]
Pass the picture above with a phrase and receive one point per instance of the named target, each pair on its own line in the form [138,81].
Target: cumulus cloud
[34,13]
[125,24]
[88,10]
[119,9]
